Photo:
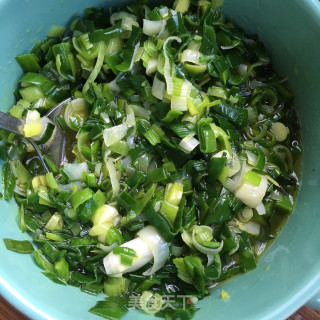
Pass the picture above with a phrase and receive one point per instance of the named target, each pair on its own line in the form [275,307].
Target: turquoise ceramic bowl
[288,274]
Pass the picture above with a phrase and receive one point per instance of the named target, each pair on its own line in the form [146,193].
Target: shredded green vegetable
[182,158]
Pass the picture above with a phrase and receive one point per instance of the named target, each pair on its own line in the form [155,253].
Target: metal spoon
[55,147]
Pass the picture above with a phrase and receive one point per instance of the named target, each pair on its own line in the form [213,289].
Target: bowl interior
[280,285]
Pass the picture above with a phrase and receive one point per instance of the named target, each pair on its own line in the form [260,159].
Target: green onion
[247,258]
[52,167]
[51,181]
[22,224]
[62,268]
[154,135]
[106,34]
[87,210]
[125,251]
[80,197]
[207,138]
[46,134]
[56,31]
[31,94]
[170,210]
[115,286]
[109,309]
[120,147]
[8,181]
[114,236]
[157,175]
[126,260]
[18,246]
[130,50]
[42,262]
[98,66]
[252,177]
[261,159]
[20,171]
[61,122]
[28,62]
[47,86]
[215,168]
[55,223]
[285,203]
[91,180]
[54,236]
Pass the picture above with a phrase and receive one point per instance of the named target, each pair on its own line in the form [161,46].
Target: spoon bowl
[54,148]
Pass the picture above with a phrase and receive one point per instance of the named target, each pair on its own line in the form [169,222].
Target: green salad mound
[182,151]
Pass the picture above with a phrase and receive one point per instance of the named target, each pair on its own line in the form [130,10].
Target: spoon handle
[11,123]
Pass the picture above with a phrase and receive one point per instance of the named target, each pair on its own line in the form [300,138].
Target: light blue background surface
[288,274]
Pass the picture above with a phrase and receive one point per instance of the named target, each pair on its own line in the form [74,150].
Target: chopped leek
[280,130]
[76,113]
[55,223]
[181,153]
[18,246]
